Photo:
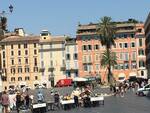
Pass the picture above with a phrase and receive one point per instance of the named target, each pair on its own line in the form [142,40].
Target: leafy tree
[106,32]
[3,23]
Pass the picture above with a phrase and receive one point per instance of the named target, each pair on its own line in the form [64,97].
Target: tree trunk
[109,67]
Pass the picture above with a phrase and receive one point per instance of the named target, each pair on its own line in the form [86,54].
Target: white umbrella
[80,79]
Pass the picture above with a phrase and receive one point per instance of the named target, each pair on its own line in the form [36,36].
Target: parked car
[64,82]
[144,90]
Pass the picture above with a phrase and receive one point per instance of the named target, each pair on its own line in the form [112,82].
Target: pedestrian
[5,102]
[18,101]
[76,101]
[27,100]
[57,99]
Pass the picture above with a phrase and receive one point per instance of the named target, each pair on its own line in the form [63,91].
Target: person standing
[27,100]
[18,101]
[5,102]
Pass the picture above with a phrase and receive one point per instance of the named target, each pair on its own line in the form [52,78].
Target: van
[144,90]
[64,82]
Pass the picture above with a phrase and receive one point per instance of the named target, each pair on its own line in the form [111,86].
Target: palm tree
[106,32]
[109,59]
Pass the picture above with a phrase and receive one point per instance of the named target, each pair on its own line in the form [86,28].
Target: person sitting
[40,97]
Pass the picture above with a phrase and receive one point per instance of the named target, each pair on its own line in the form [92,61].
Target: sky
[61,17]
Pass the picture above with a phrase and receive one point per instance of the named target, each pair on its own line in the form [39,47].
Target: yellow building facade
[19,61]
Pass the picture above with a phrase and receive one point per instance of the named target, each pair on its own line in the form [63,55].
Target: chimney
[20,31]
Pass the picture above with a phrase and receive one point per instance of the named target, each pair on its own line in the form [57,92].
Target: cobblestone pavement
[130,103]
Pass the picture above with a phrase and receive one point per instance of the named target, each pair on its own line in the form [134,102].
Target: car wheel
[141,94]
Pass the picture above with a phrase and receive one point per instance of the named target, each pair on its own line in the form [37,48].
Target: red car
[64,82]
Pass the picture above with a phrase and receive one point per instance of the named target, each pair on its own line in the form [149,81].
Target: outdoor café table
[97,100]
[39,108]
[67,104]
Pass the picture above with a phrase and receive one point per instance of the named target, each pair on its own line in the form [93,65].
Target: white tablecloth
[67,101]
[100,98]
[39,105]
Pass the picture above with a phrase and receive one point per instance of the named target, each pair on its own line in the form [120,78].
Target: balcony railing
[63,68]
[50,69]
[42,69]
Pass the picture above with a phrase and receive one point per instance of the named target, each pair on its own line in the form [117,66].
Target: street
[130,103]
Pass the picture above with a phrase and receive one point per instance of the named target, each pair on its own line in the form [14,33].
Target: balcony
[63,68]
[87,62]
[42,69]
[51,69]
[72,70]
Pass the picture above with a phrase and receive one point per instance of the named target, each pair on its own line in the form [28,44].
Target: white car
[144,90]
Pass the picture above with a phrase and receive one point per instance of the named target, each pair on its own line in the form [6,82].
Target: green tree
[106,32]
[3,23]
[109,59]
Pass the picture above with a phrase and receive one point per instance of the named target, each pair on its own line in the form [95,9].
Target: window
[125,45]
[4,64]
[35,61]
[3,47]
[97,66]
[68,65]
[85,67]
[19,69]
[35,69]
[76,65]
[75,56]
[19,78]
[34,45]
[26,52]
[35,52]
[96,47]
[139,30]
[126,56]
[126,65]
[84,58]
[12,53]
[133,65]
[25,46]
[51,54]
[27,78]
[19,46]
[89,47]
[27,70]
[133,55]
[51,63]
[67,48]
[26,61]
[140,42]
[12,70]
[141,52]
[67,56]
[36,77]
[142,73]
[89,58]
[12,79]
[3,54]
[96,57]
[19,53]
[12,47]
[12,62]
[133,44]
[120,45]
[141,63]
[121,56]
[19,61]
[84,47]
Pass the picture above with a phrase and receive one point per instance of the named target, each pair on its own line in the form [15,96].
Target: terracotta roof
[19,39]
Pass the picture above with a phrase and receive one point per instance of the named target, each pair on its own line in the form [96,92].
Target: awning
[121,75]
[132,74]
[80,79]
